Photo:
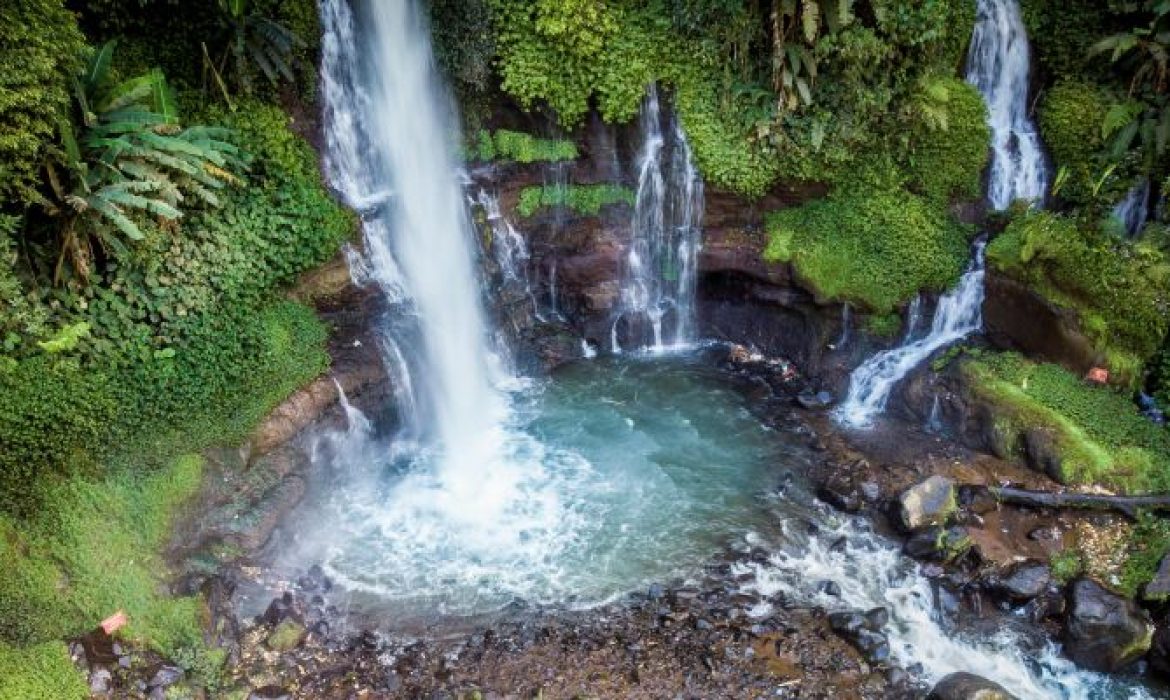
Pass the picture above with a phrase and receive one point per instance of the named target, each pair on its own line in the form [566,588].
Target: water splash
[959,313]
[871,573]
[998,62]
[660,267]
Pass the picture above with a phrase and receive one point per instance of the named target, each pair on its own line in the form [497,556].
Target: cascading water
[997,65]
[659,270]
[872,573]
[1133,211]
[959,313]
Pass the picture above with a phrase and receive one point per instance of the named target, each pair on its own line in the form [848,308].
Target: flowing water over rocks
[659,269]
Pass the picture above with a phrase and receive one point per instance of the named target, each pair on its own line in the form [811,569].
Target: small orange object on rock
[114,622]
[1098,375]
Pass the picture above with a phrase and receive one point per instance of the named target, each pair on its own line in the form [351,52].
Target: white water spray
[660,267]
[872,573]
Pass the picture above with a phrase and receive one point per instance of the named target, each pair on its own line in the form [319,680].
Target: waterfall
[388,125]
[843,339]
[660,267]
[997,65]
[934,422]
[913,318]
[959,313]
[1132,211]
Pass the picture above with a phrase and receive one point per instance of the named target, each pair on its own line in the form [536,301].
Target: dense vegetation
[150,214]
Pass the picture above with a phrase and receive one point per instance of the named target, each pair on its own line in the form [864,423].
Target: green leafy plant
[252,41]
[587,200]
[128,158]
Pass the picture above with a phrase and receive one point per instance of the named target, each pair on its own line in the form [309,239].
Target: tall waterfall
[997,65]
[388,125]
[658,275]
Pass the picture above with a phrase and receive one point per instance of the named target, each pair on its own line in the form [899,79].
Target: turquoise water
[615,474]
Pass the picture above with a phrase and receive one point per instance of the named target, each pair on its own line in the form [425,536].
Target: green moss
[1070,122]
[39,671]
[1066,565]
[587,200]
[1149,543]
[520,147]
[1117,289]
[872,246]
[1097,432]
[949,142]
[286,637]
[92,549]
[883,325]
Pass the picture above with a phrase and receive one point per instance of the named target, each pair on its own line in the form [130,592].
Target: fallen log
[1126,505]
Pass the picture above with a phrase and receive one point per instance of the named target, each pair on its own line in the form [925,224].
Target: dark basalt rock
[864,631]
[1021,583]
[968,686]
[1104,631]
[1159,655]
[937,544]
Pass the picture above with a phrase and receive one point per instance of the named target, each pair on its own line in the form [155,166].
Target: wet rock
[814,401]
[287,636]
[100,682]
[167,675]
[968,686]
[938,544]
[1021,582]
[976,499]
[1159,654]
[840,492]
[270,692]
[863,630]
[315,580]
[1104,631]
[1158,589]
[281,609]
[1045,533]
[829,588]
[931,502]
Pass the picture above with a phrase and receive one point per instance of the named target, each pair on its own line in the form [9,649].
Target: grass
[92,550]
[1098,432]
[875,247]
[39,671]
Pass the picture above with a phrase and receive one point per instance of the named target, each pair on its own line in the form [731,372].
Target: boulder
[1158,589]
[968,686]
[1021,582]
[938,544]
[864,631]
[927,504]
[1104,631]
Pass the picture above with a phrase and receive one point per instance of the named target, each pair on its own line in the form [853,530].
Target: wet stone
[1021,582]
[167,675]
[968,686]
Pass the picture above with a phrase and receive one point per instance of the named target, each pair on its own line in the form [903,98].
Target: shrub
[1070,122]
[40,49]
[583,199]
[875,247]
[948,141]
[520,147]
[1118,290]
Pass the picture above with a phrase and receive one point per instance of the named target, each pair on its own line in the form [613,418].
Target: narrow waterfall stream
[997,65]
[659,270]
[1133,211]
